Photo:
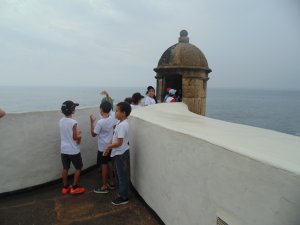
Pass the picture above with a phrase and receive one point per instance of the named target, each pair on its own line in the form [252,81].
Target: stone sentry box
[184,67]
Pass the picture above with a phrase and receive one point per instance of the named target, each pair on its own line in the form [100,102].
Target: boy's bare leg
[76,177]
[104,169]
[65,177]
[111,173]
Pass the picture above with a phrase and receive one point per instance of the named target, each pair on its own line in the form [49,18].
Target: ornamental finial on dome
[183,37]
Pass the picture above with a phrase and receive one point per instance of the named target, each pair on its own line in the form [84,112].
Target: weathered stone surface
[192,82]
[194,104]
[187,91]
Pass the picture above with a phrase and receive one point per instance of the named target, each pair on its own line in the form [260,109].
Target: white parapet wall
[30,147]
[192,169]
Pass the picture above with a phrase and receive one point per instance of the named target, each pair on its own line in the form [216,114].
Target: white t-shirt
[135,106]
[67,144]
[165,98]
[104,129]
[149,101]
[169,99]
[112,114]
[121,131]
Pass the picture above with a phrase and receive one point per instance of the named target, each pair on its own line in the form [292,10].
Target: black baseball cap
[68,106]
[137,96]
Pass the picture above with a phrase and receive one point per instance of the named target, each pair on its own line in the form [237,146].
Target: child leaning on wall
[120,152]
[104,130]
[136,100]
[150,98]
[70,148]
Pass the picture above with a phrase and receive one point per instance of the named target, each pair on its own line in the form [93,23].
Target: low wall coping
[272,147]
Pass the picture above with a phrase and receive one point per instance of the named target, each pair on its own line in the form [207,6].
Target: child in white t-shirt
[171,97]
[104,131]
[70,148]
[150,98]
[136,100]
[120,152]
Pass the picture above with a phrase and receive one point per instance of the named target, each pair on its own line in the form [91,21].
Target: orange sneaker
[65,191]
[77,190]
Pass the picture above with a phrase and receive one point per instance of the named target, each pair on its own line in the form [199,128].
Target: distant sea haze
[271,109]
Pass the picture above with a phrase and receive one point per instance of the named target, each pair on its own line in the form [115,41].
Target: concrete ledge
[192,169]
[30,147]
[272,147]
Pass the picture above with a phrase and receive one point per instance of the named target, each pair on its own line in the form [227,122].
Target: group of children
[113,145]
[171,95]
[135,100]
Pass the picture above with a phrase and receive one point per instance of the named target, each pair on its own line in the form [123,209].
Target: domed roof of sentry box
[183,55]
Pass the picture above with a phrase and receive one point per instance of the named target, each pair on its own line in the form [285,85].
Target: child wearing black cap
[136,100]
[70,148]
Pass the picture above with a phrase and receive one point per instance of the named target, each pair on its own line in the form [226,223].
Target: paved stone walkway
[47,206]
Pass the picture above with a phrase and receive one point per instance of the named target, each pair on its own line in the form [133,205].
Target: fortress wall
[192,169]
[30,147]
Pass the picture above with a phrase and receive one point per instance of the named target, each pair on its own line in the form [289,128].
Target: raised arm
[105,93]
[92,121]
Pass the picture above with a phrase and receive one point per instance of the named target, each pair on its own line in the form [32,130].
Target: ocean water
[271,109]
[28,99]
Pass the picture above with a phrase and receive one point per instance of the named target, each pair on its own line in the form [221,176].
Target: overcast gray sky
[248,44]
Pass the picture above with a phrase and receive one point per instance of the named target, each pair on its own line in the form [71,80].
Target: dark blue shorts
[75,159]
[103,159]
